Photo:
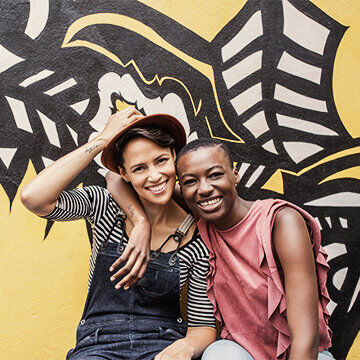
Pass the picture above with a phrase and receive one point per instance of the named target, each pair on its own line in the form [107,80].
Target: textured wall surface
[278,81]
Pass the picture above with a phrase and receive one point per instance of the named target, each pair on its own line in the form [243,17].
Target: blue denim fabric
[230,350]
[130,324]
[225,349]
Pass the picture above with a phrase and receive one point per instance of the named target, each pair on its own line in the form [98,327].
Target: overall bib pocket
[156,283]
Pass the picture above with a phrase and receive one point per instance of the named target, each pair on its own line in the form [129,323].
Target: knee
[225,349]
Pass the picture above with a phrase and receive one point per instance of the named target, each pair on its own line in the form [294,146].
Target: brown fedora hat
[169,123]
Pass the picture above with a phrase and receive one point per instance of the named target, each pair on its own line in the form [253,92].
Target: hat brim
[169,123]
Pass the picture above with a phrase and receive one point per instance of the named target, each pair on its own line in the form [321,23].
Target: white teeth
[210,202]
[157,188]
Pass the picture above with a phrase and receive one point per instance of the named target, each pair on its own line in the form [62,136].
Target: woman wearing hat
[142,321]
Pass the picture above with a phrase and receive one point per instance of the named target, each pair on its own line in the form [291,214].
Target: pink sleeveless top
[244,283]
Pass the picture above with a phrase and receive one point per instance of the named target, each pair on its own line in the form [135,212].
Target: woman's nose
[205,187]
[154,174]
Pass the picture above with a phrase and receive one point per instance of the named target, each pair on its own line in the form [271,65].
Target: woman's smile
[157,189]
[210,204]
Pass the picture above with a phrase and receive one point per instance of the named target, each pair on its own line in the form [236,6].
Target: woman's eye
[216,175]
[188,182]
[162,160]
[137,169]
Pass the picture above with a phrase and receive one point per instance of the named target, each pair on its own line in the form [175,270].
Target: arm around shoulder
[125,197]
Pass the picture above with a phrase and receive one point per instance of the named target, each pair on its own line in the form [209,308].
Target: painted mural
[263,82]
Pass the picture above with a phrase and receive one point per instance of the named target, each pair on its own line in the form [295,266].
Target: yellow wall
[346,69]
[43,283]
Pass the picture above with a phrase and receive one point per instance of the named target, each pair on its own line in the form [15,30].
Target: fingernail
[112,278]
[117,286]
[111,269]
[126,287]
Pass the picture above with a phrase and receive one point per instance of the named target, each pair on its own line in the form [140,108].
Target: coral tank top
[245,286]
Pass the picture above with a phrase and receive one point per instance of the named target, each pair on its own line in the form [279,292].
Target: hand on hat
[119,121]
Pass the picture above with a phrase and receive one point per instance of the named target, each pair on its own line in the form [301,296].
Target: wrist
[102,139]
[303,350]
[189,346]
[141,220]
[95,146]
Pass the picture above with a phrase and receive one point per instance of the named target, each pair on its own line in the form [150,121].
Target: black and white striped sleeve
[199,308]
[76,204]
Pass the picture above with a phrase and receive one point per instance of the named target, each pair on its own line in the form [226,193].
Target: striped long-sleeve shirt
[96,205]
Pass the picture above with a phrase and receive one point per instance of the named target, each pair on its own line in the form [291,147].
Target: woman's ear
[174,155]
[237,176]
[123,174]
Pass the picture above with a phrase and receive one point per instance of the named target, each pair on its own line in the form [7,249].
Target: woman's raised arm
[41,194]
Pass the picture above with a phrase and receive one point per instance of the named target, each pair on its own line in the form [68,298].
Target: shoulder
[195,248]
[93,191]
[101,201]
[98,194]
[288,216]
[290,234]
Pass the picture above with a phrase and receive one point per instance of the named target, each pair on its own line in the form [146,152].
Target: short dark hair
[154,133]
[205,143]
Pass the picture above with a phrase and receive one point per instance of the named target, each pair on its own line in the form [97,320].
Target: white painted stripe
[193,136]
[339,278]
[331,306]
[47,161]
[328,220]
[343,199]
[255,176]
[247,99]
[304,125]
[39,13]
[20,115]
[8,59]
[103,171]
[298,151]
[334,250]
[355,295]
[251,31]
[343,222]
[257,124]
[299,68]
[291,97]
[270,146]
[80,106]
[61,87]
[6,155]
[242,69]
[242,169]
[37,77]
[318,222]
[73,133]
[50,129]
[303,30]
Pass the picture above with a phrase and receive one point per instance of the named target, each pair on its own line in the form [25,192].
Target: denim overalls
[137,323]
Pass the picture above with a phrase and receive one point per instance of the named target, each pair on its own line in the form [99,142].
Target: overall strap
[185,225]
[120,218]
[178,235]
